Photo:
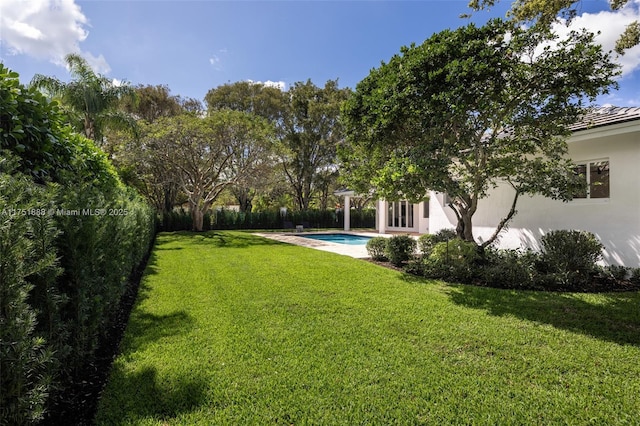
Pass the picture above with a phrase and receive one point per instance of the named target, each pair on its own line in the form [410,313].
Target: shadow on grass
[148,328]
[143,394]
[613,317]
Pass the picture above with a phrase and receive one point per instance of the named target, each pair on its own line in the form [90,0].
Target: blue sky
[194,46]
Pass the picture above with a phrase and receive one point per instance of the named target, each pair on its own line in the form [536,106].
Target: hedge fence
[71,235]
[270,220]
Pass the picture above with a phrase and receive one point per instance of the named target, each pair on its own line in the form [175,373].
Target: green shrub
[25,358]
[377,248]
[635,276]
[427,241]
[66,254]
[400,248]
[509,268]
[618,272]
[30,126]
[445,235]
[416,266]
[570,255]
[453,260]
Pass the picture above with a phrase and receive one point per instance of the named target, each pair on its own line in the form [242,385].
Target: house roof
[605,116]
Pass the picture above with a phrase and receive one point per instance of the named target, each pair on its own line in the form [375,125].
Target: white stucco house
[605,147]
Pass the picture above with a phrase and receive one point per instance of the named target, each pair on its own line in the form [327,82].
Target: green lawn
[234,329]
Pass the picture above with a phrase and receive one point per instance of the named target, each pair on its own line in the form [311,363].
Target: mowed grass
[230,328]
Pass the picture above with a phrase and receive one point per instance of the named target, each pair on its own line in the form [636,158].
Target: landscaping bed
[568,262]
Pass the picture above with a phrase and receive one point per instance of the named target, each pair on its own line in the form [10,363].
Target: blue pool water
[352,240]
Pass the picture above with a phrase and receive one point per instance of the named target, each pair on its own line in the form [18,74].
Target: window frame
[400,214]
[588,165]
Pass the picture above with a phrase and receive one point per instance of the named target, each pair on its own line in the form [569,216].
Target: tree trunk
[168,199]
[244,199]
[197,216]
[468,227]
[464,227]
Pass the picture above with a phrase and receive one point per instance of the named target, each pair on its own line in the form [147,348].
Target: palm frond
[50,86]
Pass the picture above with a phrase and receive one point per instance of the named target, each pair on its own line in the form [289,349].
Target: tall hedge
[229,219]
[71,234]
[25,357]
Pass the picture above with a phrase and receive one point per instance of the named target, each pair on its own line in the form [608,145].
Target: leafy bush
[416,266]
[425,244]
[570,255]
[617,272]
[635,276]
[30,126]
[25,359]
[377,248]
[427,241]
[453,260]
[510,268]
[70,236]
[400,248]
[445,235]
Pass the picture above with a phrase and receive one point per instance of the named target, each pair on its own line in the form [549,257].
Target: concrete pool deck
[357,251]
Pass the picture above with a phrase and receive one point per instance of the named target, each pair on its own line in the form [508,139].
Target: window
[596,174]
[400,214]
[425,210]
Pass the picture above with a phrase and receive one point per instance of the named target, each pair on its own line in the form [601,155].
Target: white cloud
[45,29]
[277,84]
[98,63]
[216,60]
[610,24]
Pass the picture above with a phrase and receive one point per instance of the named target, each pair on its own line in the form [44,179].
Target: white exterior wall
[615,221]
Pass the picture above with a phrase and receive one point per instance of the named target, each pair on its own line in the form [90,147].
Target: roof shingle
[606,115]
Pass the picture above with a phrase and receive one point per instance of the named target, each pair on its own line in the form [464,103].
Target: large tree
[152,102]
[91,99]
[309,135]
[263,101]
[545,13]
[247,96]
[208,154]
[137,165]
[471,109]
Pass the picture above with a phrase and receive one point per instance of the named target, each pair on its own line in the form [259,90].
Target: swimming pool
[348,239]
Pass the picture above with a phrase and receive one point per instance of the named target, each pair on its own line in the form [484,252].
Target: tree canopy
[90,99]
[544,13]
[207,155]
[152,102]
[260,100]
[471,109]
[310,134]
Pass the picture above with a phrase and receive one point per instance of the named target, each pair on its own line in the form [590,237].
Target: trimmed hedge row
[71,234]
[232,220]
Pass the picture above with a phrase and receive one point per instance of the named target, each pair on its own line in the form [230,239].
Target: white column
[382,216]
[347,213]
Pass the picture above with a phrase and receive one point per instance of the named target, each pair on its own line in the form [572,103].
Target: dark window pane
[599,177]
[396,214]
[581,170]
